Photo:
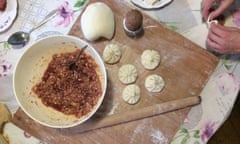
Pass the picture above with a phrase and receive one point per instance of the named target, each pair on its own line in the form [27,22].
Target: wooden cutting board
[184,66]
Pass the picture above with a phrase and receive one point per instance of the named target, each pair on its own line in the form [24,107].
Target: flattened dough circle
[127,74]
[111,53]
[154,83]
[150,59]
[131,94]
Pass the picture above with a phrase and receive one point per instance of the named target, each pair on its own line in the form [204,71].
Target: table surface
[182,16]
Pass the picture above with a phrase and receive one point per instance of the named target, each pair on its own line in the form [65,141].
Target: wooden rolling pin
[136,114]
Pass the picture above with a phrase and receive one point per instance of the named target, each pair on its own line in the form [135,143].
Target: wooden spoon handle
[137,114]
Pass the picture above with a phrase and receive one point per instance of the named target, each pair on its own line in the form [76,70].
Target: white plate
[144,5]
[7,17]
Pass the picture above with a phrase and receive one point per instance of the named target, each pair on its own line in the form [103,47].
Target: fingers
[206,6]
[218,38]
[224,40]
[216,46]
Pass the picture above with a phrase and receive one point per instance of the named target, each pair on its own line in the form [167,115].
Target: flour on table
[157,137]
[145,132]
[139,130]
[113,109]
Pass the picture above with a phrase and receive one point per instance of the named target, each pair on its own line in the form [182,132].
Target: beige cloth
[5,115]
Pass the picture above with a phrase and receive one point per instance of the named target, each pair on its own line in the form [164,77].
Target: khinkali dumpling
[131,94]
[111,53]
[154,83]
[150,59]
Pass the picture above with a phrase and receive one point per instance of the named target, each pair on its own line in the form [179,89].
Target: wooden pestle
[137,114]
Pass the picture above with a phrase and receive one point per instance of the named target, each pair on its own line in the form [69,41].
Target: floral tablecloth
[182,16]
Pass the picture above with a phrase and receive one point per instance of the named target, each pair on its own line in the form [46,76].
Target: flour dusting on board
[146,133]
[157,137]
[138,131]
[112,111]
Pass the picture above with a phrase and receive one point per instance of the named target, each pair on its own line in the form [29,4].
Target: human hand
[224,40]
[207,8]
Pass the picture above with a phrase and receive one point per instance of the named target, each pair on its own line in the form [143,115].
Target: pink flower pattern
[66,14]
[5,67]
[208,130]
[227,83]
[26,135]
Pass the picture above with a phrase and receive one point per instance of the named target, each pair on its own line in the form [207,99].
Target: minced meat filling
[70,91]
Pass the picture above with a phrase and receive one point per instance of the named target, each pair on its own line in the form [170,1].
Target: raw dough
[150,59]
[98,21]
[131,94]
[209,22]
[154,83]
[127,74]
[111,53]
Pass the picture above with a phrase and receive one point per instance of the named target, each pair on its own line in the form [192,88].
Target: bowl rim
[102,68]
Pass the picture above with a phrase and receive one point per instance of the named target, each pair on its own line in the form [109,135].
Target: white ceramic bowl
[30,69]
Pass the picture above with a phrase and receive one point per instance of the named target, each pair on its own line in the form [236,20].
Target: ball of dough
[98,21]
[150,59]
[131,94]
[154,83]
[127,74]
[112,53]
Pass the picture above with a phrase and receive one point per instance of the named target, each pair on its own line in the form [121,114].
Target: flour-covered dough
[150,59]
[154,83]
[97,21]
[111,53]
[131,94]
[127,73]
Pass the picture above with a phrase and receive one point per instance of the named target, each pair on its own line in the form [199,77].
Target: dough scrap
[154,83]
[111,53]
[131,94]
[150,59]
[127,74]
[98,21]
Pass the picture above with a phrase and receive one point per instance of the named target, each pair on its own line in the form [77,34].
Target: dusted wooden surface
[184,66]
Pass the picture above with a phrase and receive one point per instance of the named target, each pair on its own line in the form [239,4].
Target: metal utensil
[21,38]
[72,65]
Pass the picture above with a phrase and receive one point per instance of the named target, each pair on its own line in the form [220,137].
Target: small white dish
[8,16]
[145,5]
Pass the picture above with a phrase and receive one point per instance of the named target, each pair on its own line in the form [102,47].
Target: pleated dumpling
[154,83]
[150,59]
[127,74]
[131,94]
